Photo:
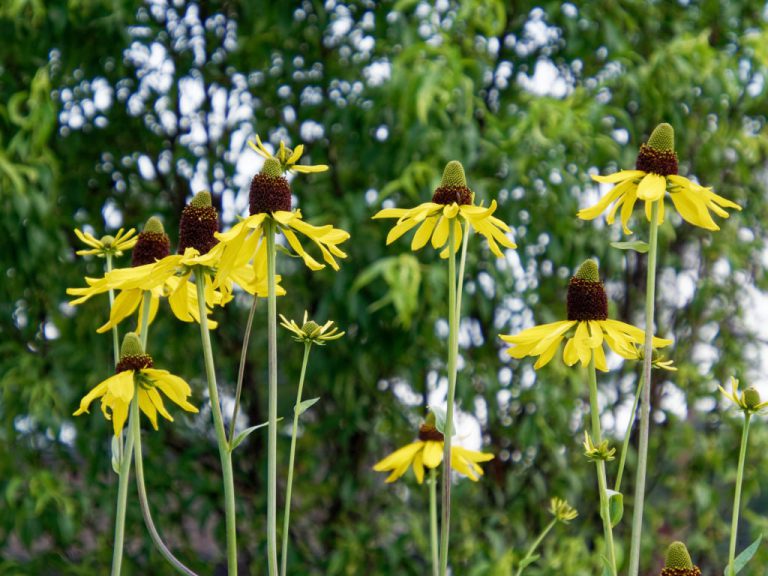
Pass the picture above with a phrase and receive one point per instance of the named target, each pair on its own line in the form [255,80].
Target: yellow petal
[651,187]
[398,457]
[433,453]
[618,176]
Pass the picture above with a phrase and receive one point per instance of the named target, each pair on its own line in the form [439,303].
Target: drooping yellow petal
[433,453]
[651,187]
[418,467]
[619,176]
[424,233]
[398,457]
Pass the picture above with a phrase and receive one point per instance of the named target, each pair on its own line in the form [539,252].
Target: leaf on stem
[247,432]
[615,506]
[305,405]
[743,558]
[636,245]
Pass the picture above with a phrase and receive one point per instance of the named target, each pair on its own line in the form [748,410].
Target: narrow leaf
[247,432]
[305,405]
[615,506]
[636,245]
[742,559]
[528,561]
[116,454]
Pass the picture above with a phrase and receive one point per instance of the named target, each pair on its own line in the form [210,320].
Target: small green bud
[751,398]
[310,327]
[107,240]
[678,556]
[272,167]
[588,271]
[453,175]
[662,138]
[154,225]
[430,419]
[201,200]
[131,346]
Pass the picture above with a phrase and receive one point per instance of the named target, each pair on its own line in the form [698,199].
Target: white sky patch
[545,81]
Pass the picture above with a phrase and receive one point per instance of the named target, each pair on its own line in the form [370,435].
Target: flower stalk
[737,494]
[433,537]
[241,370]
[221,434]
[645,396]
[289,486]
[455,286]
[135,435]
[532,550]
[122,498]
[605,513]
[269,232]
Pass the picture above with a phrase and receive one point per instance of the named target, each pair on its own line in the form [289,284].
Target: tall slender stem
[534,546]
[627,436]
[737,495]
[433,521]
[597,438]
[241,370]
[645,397]
[453,351]
[115,334]
[122,498]
[221,434]
[289,487]
[144,501]
[269,231]
[145,304]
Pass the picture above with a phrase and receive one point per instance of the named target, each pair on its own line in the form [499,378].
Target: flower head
[596,452]
[108,245]
[451,199]
[427,452]
[656,172]
[562,511]
[748,401]
[678,562]
[135,375]
[310,332]
[587,307]
[286,157]
[270,200]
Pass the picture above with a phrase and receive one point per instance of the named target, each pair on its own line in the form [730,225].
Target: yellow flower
[427,452]
[748,400]
[270,198]
[135,375]
[562,511]
[451,199]
[656,173]
[286,157]
[153,270]
[310,332]
[588,314]
[108,245]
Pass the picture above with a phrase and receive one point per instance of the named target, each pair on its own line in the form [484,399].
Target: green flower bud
[662,138]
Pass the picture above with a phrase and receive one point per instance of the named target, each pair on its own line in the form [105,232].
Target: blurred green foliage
[96,130]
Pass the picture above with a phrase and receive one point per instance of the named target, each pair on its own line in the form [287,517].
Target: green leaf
[742,559]
[528,561]
[247,432]
[439,418]
[636,245]
[305,405]
[606,565]
[116,454]
[615,506]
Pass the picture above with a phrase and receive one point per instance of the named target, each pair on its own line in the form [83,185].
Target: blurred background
[114,110]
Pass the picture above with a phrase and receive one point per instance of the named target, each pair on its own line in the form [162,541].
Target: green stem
[433,521]
[288,488]
[597,438]
[221,434]
[645,398]
[115,334]
[143,500]
[627,436]
[269,231]
[454,309]
[122,498]
[534,546]
[737,495]
[241,370]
